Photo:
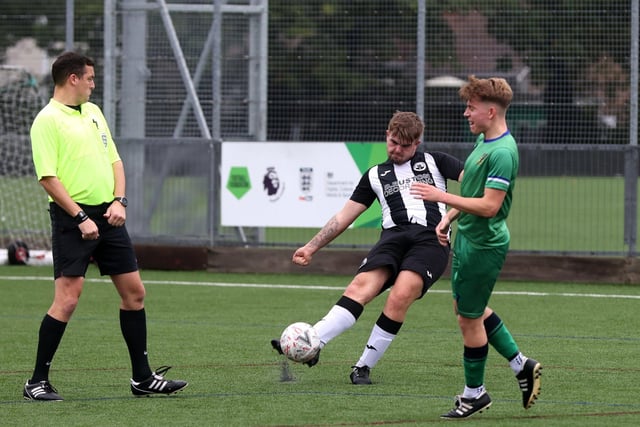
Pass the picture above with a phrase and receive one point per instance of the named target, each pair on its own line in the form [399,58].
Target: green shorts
[474,272]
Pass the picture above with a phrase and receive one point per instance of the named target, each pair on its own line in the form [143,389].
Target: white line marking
[316,287]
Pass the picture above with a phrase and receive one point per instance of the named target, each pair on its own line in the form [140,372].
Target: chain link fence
[178,78]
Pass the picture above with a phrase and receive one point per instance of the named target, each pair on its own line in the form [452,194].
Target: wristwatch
[122,200]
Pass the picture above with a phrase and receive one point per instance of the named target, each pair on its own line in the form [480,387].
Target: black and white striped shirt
[390,184]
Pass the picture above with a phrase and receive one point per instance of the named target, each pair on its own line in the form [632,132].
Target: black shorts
[112,251]
[408,247]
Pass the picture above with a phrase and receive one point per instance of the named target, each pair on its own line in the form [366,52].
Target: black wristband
[81,217]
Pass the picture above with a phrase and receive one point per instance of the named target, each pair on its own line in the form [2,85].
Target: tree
[45,21]
[560,40]
[334,63]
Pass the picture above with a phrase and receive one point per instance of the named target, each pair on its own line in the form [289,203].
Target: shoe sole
[143,394]
[535,389]
[360,381]
[479,411]
[41,400]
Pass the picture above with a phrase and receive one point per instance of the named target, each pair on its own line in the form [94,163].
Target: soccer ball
[300,342]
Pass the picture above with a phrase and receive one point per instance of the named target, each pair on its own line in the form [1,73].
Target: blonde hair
[406,125]
[493,89]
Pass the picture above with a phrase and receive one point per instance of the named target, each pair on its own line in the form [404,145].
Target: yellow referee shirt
[77,148]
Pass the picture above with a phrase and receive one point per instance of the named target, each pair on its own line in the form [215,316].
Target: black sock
[133,325]
[388,325]
[355,308]
[49,336]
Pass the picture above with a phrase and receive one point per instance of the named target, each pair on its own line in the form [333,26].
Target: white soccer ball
[300,342]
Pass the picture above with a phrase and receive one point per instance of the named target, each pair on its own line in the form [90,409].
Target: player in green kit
[482,242]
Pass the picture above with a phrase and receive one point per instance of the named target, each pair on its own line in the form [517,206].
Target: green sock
[499,337]
[474,361]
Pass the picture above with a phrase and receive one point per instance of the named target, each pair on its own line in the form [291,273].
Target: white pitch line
[319,287]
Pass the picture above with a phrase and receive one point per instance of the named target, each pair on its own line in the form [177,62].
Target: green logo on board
[239,182]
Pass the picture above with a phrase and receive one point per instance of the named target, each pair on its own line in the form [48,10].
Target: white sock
[379,341]
[473,393]
[517,363]
[335,322]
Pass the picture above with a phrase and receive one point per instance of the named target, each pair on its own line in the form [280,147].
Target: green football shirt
[75,146]
[492,164]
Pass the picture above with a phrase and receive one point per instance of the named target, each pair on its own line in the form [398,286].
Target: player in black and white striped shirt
[407,258]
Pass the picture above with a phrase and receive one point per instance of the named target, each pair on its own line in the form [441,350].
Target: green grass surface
[217,338]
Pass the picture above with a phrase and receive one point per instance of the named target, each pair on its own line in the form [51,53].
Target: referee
[78,165]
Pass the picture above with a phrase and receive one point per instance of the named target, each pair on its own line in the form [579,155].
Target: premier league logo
[272,185]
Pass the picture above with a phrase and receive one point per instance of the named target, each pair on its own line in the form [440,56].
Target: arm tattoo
[327,234]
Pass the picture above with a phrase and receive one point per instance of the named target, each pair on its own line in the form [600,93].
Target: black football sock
[49,337]
[133,325]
